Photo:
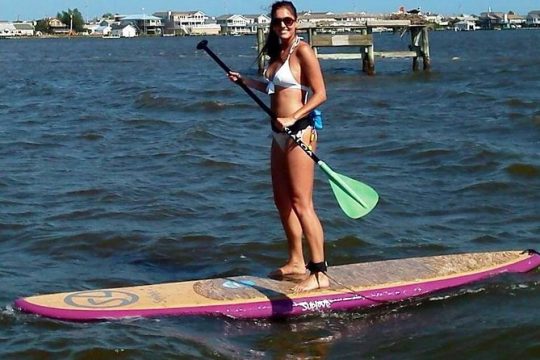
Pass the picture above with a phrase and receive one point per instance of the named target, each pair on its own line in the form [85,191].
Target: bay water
[135,161]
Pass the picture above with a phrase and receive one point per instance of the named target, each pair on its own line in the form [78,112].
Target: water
[126,162]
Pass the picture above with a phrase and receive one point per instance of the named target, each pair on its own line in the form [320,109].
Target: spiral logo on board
[101,299]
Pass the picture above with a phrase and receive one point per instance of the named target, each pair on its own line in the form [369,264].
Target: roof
[230,16]
[23,26]
[178,13]
[6,26]
[140,17]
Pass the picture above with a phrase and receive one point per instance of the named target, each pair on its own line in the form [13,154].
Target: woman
[293,69]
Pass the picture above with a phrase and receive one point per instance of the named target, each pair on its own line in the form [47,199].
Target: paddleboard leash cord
[322,267]
[354,292]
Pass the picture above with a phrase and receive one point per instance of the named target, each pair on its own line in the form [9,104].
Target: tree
[67,16]
[43,26]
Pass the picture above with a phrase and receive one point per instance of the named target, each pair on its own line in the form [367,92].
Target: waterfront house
[102,29]
[466,23]
[180,22]
[57,27]
[123,30]
[210,28]
[491,20]
[317,18]
[499,20]
[515,21]
[341,20]
[255,21]
[436,19]
[24,29]
[533,18]
[233,24]
[7,29]
[187,23]
[146,24]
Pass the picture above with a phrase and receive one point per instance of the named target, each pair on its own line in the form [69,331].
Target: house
[491,20]
[254,21]
[515,21]
[336,19]
[205,29]
[7,29]
[318,18]
[98,29]
[147,24]
[498,20]
[123,30]
[57,27]
[533,18]
[24,29]
[187,22]
[436,19]
[233,24]
[466,23]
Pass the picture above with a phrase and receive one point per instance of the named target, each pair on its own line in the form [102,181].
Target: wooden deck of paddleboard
[249,296]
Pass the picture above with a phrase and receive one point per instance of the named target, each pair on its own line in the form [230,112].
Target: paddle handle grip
[203,45]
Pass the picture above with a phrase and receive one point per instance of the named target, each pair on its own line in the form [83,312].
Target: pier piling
[360,36]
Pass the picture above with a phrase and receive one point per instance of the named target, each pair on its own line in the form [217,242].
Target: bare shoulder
[305,52]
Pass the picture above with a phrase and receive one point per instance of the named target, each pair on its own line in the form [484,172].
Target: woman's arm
[251,83]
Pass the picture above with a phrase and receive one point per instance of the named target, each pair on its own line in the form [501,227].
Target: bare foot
[289,269]
[314,281]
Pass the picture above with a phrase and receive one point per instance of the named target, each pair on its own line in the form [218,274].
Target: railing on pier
[360,36]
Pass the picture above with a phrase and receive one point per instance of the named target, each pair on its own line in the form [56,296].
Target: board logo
[101,299]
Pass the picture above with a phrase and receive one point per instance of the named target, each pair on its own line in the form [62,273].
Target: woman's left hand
[283,122]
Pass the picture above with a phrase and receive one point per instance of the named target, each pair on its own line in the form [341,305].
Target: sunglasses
[288,21]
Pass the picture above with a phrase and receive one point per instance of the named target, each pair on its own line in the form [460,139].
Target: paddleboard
[353,286]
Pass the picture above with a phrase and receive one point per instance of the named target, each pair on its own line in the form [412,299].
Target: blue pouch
[316,119]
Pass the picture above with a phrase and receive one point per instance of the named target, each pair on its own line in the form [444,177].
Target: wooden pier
[360,36]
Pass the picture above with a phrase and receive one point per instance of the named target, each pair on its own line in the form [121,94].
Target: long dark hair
[272,46]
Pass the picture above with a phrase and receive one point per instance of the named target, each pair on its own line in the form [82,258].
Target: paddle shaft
[350,193]
[203,45]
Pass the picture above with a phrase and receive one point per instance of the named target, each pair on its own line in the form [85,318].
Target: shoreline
[45,37]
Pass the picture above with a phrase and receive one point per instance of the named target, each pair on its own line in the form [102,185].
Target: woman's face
[284,23]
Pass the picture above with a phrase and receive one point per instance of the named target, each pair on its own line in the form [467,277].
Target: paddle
[356,199]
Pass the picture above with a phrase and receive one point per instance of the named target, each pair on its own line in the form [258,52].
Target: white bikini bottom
[284,141]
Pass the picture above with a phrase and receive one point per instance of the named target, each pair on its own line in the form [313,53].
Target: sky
[37,9]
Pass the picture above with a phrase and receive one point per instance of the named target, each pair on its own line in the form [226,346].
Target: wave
[488,187]
[148,100]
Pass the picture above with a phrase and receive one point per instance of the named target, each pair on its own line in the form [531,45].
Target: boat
[111,36]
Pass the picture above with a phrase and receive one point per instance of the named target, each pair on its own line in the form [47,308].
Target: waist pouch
[316,119]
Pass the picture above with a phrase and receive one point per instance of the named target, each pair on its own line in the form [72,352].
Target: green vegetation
[43,26]
[67,16]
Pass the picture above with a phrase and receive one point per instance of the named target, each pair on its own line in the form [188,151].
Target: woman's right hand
[234,76]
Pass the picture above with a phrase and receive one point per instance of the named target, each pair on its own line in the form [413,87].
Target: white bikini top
[284,76]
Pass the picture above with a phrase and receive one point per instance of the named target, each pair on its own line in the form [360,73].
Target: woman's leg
[301,172]
[295,264]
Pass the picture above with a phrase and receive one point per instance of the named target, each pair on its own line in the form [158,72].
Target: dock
[360,36]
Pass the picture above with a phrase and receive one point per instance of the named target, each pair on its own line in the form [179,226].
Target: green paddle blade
[356,199]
